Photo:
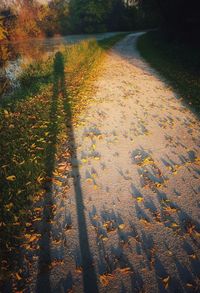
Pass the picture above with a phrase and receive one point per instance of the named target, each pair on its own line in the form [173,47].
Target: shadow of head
[59,65]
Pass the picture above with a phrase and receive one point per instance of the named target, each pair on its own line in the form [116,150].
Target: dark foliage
[181,19]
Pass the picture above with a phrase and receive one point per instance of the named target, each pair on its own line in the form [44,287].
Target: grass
[33,129]
[178,63]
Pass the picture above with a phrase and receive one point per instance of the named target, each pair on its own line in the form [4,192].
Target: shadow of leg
[43,278]
[89,274]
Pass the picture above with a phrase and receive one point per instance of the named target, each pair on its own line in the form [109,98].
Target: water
[14,56]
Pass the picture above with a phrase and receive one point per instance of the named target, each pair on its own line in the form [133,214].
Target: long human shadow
[90,282]
[43,277]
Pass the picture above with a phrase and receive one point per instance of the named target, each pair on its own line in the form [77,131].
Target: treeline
[20,19]
[180,19]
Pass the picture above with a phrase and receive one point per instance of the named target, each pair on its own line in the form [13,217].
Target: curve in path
[138,155]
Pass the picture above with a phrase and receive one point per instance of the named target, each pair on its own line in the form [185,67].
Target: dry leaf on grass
[105,279]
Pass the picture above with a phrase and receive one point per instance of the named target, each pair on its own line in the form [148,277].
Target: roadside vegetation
[22,19]
[33,126]
[178,62]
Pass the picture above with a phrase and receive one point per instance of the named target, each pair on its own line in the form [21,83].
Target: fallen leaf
[84,160]
[104,238]
[125,270]
[97,158]
[144,221]
[11,178]
[9,206]
[105,279]
[174,225]
[79,270]
[18,276]
[121,226]
[140,199]
[193,256]
[189,285]
[6,113]
[166,282]
[39,179]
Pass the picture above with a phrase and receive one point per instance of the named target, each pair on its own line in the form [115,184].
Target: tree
[148,14]
[88,15]
[59,16]
[97,16]
[26,24]
[121,15]
[180,18]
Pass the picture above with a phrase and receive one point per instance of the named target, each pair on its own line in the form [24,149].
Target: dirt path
[132,209]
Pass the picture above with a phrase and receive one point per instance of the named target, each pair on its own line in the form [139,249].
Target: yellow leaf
[33,238]
[144,221]
[174,225]
[189,285]
[147,161]
[97,158]
[79,269]
[9,206]
[58,183]
[84,160]
[170,209]
[94,175]
[11,126]
[89,180]
[125,270]
[6,113]
[193,256]
[158,185]
[140,199]
[18,276]
[121,226]
[104,238]
[166,282]
[39,179]
[105,279]
[37,219]
[11,178]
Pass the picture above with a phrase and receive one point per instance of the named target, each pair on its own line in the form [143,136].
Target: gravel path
[132,207]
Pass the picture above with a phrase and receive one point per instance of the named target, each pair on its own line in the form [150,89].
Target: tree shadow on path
[89,275]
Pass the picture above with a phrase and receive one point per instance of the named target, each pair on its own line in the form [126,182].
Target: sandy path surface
[132,209]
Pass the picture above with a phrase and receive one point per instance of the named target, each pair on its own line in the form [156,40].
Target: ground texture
[130,204]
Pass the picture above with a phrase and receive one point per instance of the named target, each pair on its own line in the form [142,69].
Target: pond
[14,56]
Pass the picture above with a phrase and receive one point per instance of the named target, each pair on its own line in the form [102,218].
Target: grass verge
[33,127]
[178,63]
